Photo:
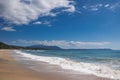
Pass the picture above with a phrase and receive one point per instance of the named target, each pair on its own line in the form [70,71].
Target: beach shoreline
[10,69]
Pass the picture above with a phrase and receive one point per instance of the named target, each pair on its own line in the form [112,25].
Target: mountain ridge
[40,47]
[35,47]
[45,46]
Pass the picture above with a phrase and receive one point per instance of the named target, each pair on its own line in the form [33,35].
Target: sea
[102,63]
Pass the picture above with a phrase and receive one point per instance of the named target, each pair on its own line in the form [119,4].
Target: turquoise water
[104,63]
[109,57]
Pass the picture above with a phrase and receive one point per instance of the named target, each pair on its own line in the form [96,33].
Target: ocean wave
[87,68]
[35,50]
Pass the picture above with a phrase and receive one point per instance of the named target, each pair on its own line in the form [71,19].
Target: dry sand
[10,69]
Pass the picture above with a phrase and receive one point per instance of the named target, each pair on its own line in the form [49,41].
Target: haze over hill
[40,47]
[45,47]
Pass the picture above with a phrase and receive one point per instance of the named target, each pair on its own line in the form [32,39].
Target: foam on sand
[86,68]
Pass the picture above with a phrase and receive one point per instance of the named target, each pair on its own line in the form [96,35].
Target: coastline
[10,69]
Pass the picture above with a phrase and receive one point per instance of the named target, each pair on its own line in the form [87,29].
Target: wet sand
[10,69]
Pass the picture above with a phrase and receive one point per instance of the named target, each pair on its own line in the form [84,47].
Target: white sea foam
[88,68]
[37,50]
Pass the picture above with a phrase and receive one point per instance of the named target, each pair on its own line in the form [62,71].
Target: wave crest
[87,68]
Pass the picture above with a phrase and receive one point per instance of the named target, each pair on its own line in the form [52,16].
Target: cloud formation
[37,22]
[115,6]
[10,29]
[98,6]
[48,23]
[65,44]
[95,7]
[24,11]
[106,5]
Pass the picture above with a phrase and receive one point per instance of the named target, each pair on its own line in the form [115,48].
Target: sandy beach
[10,69]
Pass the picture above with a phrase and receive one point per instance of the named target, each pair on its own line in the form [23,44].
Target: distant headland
[40,47]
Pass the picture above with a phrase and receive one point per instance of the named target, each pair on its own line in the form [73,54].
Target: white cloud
[106,5]
[72,9]
[44,23]
[38,22]
[8,29]
[85,7]
[66,44]
[94,7]
[115,6]
[24,11]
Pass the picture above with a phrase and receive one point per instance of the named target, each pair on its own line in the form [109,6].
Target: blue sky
[68,24]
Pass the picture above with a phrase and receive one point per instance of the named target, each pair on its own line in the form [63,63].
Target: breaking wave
[86,68]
